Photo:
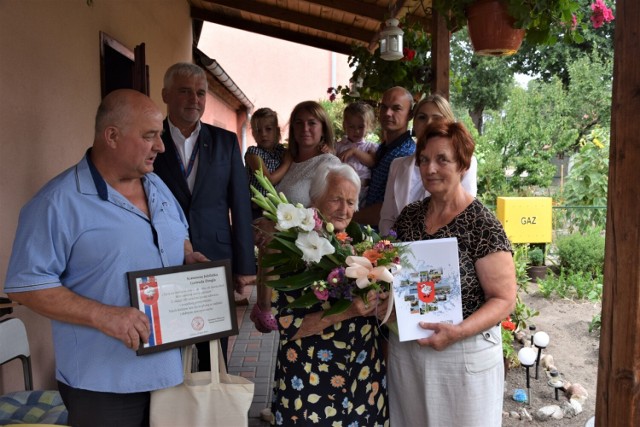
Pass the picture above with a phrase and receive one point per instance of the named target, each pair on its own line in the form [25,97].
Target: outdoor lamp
[540,340]
[391,41]
[527,357]
[532,331]
[555,381]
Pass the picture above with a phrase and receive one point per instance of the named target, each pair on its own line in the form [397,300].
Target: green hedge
[582,253]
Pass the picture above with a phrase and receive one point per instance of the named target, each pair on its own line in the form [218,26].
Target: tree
[523,138]
[589,95]
[334,110]
[548,61]
[539,123]
[478,83]
[588,180]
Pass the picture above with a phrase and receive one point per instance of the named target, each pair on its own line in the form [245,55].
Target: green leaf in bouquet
[355,232]
[284,245]
[305,301]
[275,259]
[337,307]
[290,267]
[297,281]
[329,262]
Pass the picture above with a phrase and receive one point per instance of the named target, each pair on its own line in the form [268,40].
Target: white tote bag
[205,398]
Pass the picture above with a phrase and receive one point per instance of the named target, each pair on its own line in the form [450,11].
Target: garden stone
[569,410]
[546,412]
[546,362]
[577,406]
[578,393]
[525,415]
[558,414]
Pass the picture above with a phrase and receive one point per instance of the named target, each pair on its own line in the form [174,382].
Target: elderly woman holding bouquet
[455,377]
[330,370]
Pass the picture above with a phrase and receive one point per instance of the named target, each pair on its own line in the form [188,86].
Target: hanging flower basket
[491,29]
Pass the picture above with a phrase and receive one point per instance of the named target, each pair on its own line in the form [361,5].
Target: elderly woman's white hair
[319,182]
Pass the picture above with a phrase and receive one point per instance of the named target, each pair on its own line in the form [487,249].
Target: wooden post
[440,55]
[618,393]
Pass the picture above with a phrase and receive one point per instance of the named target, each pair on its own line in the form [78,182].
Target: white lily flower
[307,220]
[361,269]
[288,216]
[313,246]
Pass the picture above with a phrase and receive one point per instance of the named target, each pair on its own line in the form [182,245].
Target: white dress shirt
[185,146]
[404,186]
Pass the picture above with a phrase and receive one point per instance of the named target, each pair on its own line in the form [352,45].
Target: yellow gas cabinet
[526,219]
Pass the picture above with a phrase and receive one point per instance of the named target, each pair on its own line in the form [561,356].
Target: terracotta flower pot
[491,29]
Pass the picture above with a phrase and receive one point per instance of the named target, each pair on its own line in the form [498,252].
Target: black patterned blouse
[479,234]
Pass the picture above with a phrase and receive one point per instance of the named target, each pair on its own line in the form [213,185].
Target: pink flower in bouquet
[318,220]
[322,295]
[361,269]
[336,276]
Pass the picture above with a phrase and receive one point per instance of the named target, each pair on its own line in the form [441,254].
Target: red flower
[508,324]
[332,97]
[409,54]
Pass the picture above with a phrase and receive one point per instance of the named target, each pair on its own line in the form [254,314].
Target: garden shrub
[582,253]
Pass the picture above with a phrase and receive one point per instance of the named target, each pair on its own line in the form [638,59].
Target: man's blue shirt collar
[101,185]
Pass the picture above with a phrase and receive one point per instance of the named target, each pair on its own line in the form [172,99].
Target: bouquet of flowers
[330,267]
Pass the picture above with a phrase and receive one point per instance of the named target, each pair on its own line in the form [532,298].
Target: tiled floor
[252,355]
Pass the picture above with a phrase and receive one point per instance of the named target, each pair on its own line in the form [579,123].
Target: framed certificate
[184,304]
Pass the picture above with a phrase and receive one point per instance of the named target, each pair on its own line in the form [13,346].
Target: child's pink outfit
[362,170]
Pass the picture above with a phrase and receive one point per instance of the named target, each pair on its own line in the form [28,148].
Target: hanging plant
[372,75]
[544,21]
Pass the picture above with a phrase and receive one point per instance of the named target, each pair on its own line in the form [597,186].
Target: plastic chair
[26,407]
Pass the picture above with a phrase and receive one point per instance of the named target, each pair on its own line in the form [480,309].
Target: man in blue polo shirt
[76,240]
[394,115]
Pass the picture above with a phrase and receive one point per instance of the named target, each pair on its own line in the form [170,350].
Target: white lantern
[527,356]
[541,339]
[391,41]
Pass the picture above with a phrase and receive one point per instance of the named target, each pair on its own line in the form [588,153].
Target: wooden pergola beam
[271,31]
[440,62]
[618,392]
[281,14]
[364,10]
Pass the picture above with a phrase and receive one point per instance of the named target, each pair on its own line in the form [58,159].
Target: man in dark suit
[202,165]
